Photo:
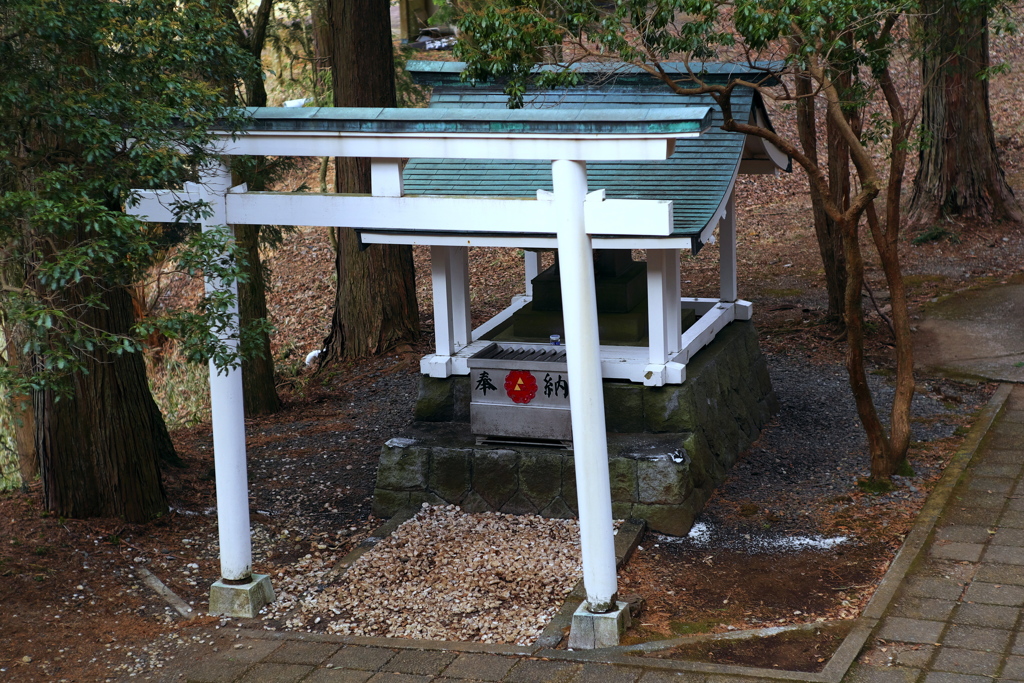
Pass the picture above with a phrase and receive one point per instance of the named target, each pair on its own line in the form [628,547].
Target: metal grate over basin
[520,354]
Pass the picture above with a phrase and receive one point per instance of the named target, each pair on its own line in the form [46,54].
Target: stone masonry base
[669,447]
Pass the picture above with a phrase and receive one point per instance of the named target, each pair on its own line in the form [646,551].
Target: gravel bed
[816,443]
[811,455]
[442,575]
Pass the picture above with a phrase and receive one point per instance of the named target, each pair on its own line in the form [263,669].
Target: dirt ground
[73,608]
[798,650]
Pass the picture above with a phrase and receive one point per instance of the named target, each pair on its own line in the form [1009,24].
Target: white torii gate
[566,138]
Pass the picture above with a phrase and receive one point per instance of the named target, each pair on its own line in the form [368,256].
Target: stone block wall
[669,447]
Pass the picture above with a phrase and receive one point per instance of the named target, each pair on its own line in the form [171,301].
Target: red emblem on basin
[521,386]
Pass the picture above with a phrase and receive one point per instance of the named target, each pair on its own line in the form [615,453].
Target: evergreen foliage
[98,98]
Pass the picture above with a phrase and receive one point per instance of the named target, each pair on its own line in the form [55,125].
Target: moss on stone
[663,481]
[387,503]
[474,503]
[495,476]
[670,408]
[622,509]
[557,509]
[622,473]
[674,520]
[449,473]
[623,407]
[435,402]
[569,485]
[403,469]
[420,497]
[540,477]
[519,504]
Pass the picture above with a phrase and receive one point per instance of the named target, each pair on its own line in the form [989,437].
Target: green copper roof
[596,73]
[680,120]
[697,177]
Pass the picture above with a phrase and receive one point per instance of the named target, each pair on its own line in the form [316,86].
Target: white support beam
[462,320]
[664,314]
[386,178]
[583,358]
[440,364]
[627,216]
[226,407]
[531,263]
[700,306]
[703,332]
[727,251]
[157,206]
[161,206]
[440,214]
[744,309]
[414,213]
[591,147]
[533,241]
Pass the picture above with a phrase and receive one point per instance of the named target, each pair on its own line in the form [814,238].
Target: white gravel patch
[705,536]
[446,575]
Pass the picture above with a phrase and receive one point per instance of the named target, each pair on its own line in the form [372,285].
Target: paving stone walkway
[955,617]
[958,614]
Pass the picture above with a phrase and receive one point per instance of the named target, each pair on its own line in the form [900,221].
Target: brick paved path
[955,617]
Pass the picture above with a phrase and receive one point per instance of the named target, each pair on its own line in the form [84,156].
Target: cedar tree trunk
[24,439]
[959,173]
[375,306]
[21,409]
[259,393]
[100,444]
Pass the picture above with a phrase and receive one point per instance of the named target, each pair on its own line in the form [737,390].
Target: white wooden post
[664,316]
[386,178]
[531,260]
[590,442]
[227,411]
[453,329]
[440,365]
[727,252]
[462,321]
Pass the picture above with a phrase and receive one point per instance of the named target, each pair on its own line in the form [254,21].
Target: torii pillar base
[241,600]
[591,631]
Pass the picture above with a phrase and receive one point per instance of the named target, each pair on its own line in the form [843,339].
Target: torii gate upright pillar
[601,619]
[239,592]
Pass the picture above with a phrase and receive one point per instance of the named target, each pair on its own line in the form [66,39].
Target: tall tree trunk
[375,305]
[959,173]
[259,392]
[22,413]
[20,408]
[878,443]
[887,243]
[255,90]
[826,230]
[100,445]
[24,439]
[322,85]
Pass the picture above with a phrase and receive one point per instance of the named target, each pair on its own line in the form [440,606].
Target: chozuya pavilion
[665,390]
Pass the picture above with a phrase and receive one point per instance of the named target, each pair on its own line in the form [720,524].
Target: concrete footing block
[590,631]
[242,600]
